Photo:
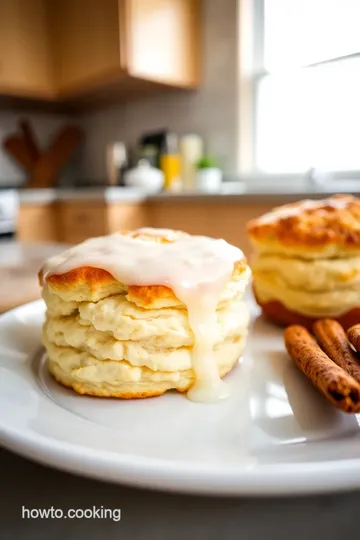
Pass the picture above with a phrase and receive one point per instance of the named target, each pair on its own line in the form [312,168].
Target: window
[307,90]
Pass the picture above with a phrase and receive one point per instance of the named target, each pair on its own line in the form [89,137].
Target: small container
[145,176]
[170,162]
[117,161]
[148,152]
[155,139]
[191,150]
[208,176]
[209,180]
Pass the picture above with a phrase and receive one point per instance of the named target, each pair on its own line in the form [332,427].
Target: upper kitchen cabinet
[124,45]
[86,44]
[162,40]
[83,51]
[25,51]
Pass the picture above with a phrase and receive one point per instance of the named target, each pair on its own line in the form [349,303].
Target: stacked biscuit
[106,338]
[307,262]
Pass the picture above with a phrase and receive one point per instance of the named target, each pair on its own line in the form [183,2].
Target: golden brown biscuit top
[311,225]
[85,283]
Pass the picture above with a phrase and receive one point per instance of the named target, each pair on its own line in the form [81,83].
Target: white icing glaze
[169,234]
[196,268]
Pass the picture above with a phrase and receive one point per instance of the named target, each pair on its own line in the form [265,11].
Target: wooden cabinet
[69,222]
[122,216]
[100,43]
[66,50]
[81,220]
[86,43]
[219,219]
[38,223]
[162,40]
[25,52]
[73,222]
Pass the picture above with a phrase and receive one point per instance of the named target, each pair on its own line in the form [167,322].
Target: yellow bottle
[170,163]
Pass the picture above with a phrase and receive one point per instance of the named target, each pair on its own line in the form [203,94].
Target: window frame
[253,11]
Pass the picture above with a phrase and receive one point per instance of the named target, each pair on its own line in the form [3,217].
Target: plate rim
[273,479]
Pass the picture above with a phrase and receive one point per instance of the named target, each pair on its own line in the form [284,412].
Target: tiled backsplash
[45,126]
[211,111]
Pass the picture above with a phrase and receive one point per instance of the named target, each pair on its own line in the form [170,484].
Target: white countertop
[236,192]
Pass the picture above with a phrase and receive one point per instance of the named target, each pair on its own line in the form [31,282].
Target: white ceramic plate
[275,435]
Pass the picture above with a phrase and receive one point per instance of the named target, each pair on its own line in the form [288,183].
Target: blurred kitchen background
[187,114]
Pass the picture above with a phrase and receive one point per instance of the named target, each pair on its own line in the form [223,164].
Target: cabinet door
[25,56]
[163,40]
[37,223]
[86,42]
[81,220]
[125,217]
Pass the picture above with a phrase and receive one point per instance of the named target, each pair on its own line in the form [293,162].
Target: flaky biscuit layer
[161,341]
[88,375]
[330,303]
[310,275]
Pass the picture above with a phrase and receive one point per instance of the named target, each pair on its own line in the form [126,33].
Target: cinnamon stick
[340,388]
[353,335]
[333,340]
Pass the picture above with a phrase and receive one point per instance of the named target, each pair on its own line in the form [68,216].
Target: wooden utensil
[18,149]
[61,149]
[30,139]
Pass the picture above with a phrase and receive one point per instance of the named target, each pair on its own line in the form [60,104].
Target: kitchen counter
[19,267]
[232,191]
[72,215]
